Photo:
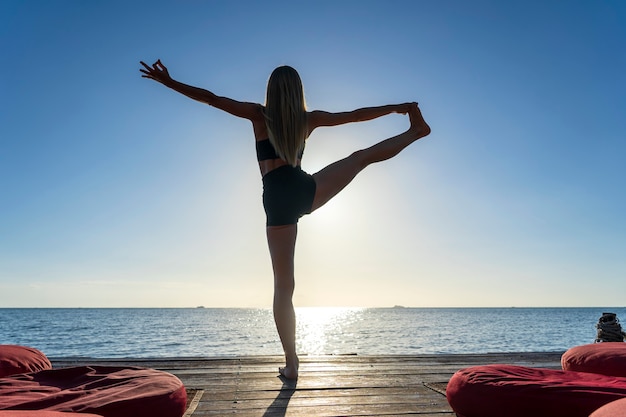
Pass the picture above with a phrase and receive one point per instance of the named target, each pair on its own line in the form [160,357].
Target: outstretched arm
[159,73]
[319,118]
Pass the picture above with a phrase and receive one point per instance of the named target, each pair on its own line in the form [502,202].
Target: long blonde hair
[285,113]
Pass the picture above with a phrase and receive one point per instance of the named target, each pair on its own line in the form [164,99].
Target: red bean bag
[517,391]
[21,359]
[606,358]
[43,413]
[612,409]
[105,390]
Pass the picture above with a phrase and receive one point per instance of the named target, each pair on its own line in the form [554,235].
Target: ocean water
[208,332]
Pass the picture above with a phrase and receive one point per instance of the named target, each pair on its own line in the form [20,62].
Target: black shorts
[288,194]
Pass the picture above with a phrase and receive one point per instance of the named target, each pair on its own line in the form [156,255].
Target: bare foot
[418,124]
[291,370]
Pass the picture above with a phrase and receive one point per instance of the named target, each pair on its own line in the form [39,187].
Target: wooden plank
[328,385]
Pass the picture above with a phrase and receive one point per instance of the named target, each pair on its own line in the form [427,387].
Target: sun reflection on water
[321,327]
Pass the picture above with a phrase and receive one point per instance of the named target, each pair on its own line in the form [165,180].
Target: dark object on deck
[16,359]
[609,329]
[28,382]
[597,358]
[519,391]
[109,391]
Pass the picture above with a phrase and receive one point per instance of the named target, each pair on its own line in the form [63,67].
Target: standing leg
[335,177]
[282,242]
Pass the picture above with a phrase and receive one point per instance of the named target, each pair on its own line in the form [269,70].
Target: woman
[281,128]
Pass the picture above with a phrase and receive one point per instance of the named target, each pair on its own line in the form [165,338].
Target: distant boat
[200,307]
[397,306]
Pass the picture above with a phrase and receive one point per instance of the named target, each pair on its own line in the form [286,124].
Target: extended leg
[335,177]
[282,242]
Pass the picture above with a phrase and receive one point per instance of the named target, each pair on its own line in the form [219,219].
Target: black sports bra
[265,150]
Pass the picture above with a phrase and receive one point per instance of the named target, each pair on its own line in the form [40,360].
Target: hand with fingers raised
[157,72]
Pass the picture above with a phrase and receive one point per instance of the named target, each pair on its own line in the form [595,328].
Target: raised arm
[159,73]
[319,118]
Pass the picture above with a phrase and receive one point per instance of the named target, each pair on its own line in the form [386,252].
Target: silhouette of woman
[281,127]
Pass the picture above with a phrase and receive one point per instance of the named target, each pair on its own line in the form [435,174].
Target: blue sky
[115,191]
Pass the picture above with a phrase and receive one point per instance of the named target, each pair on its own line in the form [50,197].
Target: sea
[229,332]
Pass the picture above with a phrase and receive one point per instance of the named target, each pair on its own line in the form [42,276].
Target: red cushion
[612,409]
[516,391]
[607,358]
[105,390]
[43,413]
[21,359]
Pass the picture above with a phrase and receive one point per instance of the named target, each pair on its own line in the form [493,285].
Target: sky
[117,192]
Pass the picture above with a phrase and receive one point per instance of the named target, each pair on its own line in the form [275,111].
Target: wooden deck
[328,385]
